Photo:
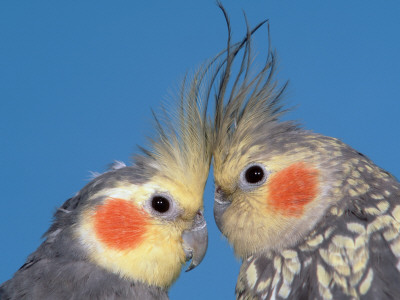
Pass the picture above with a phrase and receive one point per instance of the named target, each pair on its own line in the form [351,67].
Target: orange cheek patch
[292,188]
[120,224]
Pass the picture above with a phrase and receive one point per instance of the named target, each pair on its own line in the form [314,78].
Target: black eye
[160,204]
[254,174]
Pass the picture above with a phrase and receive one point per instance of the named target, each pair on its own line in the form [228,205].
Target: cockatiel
[310,217]
[128,232]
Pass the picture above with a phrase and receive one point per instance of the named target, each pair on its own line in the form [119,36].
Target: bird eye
[160,204]
[252,176]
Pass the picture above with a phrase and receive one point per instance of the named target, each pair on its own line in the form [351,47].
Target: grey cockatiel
[310,217]
[128,232]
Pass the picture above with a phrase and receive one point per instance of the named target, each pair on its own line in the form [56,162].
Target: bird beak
[220,205]
[195,241]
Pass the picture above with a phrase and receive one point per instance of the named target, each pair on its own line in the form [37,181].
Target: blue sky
[78,79]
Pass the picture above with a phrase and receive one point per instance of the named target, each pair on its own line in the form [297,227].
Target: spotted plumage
[310,217]
[352,252]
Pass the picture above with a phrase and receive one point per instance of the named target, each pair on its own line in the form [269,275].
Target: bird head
[138,229]
[272,179]
[145,221]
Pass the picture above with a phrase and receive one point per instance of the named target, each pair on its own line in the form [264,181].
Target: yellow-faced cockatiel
[128,232]
[310,217]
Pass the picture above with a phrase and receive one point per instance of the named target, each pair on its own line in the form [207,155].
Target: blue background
[78,79]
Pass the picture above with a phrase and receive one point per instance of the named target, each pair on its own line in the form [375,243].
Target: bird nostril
[218,190]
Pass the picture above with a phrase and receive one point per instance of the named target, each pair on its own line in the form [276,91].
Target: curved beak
[195,241]
[220,205]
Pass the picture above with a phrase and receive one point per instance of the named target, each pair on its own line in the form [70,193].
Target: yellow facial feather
[158,259]
[250,223]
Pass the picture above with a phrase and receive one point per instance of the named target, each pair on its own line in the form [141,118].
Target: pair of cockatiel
[310,217]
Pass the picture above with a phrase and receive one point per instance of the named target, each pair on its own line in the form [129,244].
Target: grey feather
[60,269]
[381,259]
[351,250]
